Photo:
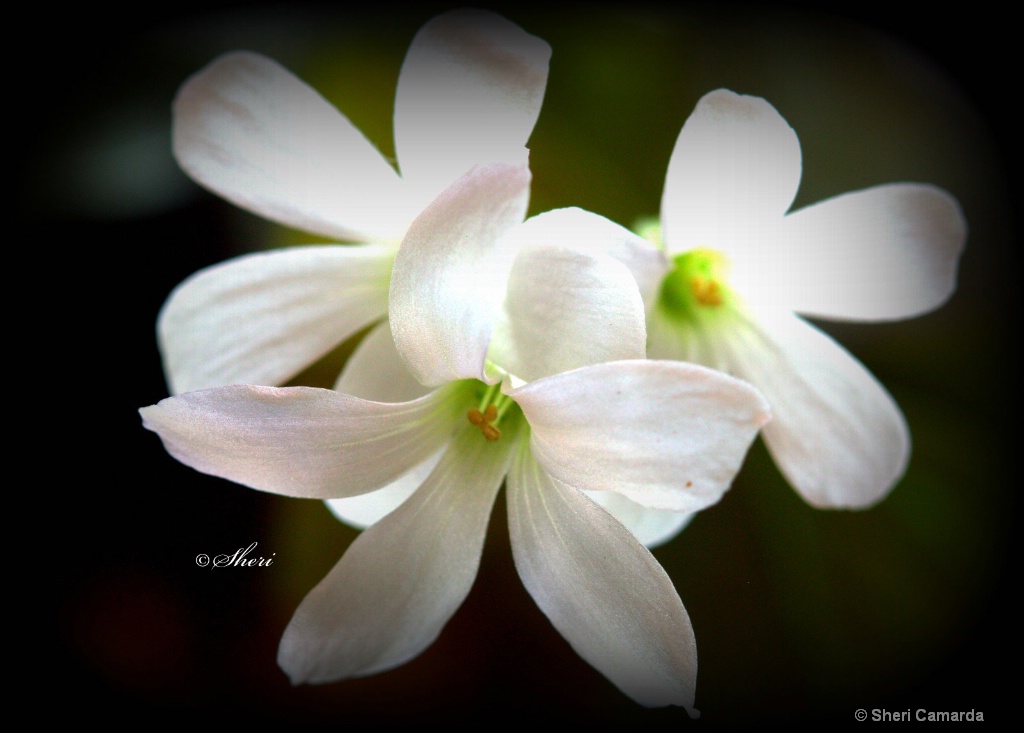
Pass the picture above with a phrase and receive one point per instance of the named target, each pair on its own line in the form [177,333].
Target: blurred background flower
[798,613]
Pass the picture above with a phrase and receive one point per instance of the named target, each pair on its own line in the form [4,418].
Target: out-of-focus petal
[883,253]
[400,581]
[376,372]
[565,309]
[736,166]
[301,441]
[249,130]
[469,92]
[593,234]
[262,318]
[836,434]
[449,277]
[366,509]
[678,339]
[652,527]
[665,434]
[602,590]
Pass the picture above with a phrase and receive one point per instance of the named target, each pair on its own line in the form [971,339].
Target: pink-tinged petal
[665,434]
[591,233]
[652,527]
[735,167]
[376,372]
[400,581]
[450,274]
[469,92]
[836,434]
[301,441]
[883,253]
[366,509]
[262,318]
[565,309]
[602,590]
[252,132]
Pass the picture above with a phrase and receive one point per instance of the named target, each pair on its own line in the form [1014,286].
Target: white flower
[469,91]
[469,283]
[740,268]
[376,372]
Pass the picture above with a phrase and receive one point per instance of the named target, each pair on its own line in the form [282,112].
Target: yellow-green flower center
[698,284]
[491,409]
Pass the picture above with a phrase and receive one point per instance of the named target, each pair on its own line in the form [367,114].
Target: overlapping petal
[652,527]
[400,581]
[261,318]
[593,234]
[602,590]
[301,441]
[887,252]
[470,91]
[736,165]
[252,132]
[665,434]
[836,434]
[375,371]
[565,309]
[449,276]
[365,509]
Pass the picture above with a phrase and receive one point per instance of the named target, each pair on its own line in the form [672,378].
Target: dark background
[799,614]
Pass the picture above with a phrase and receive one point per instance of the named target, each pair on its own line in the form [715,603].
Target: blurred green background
[799,614]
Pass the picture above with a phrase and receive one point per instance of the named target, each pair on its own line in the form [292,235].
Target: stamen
[489,395]
[504,402]
[706,290]
[492,408]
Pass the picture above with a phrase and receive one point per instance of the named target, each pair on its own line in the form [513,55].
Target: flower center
[493,406]
[697,284]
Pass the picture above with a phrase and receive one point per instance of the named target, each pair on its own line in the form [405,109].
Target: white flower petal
[652,527]
[300,441]
[673,338]
[565,309]
[469,92]
[665,434]
[883,253]
[593,234]
[736,166]
[252,132]
[366,509]
[376,372]
[262,318]
[449,277]
[400,581]
[836,434]
[602,590]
